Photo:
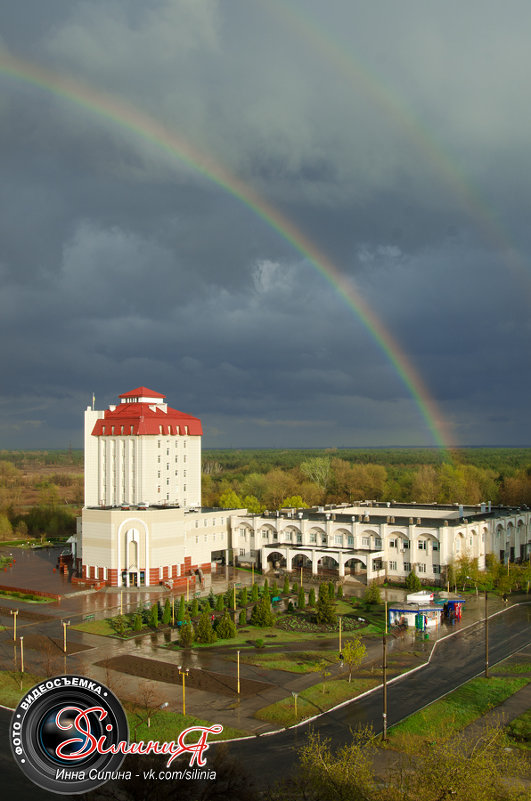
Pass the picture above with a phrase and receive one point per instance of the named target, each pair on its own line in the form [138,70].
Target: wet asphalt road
[455,660]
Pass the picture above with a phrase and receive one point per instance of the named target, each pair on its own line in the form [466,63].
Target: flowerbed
[305,624]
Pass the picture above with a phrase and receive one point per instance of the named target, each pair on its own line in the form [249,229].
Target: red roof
[135,419]
[141,392]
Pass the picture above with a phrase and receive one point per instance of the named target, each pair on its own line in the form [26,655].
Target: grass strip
[166,726]
[456,710]
[312,701]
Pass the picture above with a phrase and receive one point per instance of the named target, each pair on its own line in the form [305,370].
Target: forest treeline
[270,479]
[42,491]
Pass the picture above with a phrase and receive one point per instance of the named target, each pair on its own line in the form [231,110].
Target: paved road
[455,660]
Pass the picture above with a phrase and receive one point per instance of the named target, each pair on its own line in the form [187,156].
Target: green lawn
[293,662]
[166,726]
[511,667]
[102,627]
[519,731]
[443,718]
[313,700]
[10,692]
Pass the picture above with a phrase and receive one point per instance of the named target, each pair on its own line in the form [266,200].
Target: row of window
[421,567]
[212,521]
[175,442]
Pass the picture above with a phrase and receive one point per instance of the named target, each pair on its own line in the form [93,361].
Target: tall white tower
[141,451]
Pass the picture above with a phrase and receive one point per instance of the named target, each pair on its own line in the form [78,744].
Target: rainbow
[149,129]
[360,79]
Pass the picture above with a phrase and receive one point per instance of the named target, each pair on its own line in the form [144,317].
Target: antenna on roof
[93,401]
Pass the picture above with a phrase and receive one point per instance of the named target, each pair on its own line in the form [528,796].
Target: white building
[143,524]
[382,540]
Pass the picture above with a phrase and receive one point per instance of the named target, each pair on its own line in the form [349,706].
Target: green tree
[262,614]
[285,588]
[324,609]
[413,582]
[331,590]
[255,593]
[154,616]
[243,597]
[6,529]
[166,615]
[186,635]
[301,600]
[220,603]
[182,609]
[225,628]
[195,608]
[137,622]
[229,500]
[204,631]
[274,588]
[242,619]
[372,594]
[311,597]
[294,501]
[253,505]
[317,469]
[339,593]
[353,653]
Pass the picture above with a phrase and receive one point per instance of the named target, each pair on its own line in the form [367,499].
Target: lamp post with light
[184,674]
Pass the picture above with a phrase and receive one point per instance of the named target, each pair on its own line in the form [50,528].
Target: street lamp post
[486,636]
[384,671]
[14,612]
[184,674]
[22,654]
[238,663]
[340,622]
[294,694]
[65,624]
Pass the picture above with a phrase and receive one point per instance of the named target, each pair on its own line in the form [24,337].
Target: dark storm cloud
[396,140]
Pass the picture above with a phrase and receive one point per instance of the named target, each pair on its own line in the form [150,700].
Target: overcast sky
[395,136]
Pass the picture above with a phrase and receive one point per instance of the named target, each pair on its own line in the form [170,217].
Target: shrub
[331,590]
[243,596]
[259,643]
[137,622]
[154,616]
[324,611]
[311,597]
[166,615]
[301,600]
[220,603]
[225,628]
[285,588]
[186,635]
[413,582]
[242,620]
[262,614]
[255,593]
[372,594]
[182,609]
[339,593]
[204,631]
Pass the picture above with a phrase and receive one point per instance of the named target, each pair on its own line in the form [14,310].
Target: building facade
[142,523]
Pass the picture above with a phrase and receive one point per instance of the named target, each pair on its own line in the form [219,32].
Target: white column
[314,562]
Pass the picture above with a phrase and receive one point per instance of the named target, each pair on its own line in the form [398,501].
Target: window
[184,458]
[287,536]
[338,539]
[436,568]
[167,481]
[158,443]
[243,533]
[197,523]
[167,466]
[176,472]
[184,443]
[422,545]
[184,473]
[176,458]
[377,542]
[184,488]
[158,460]
[392,543]
[392,565]
[406,544]
[313,536]
[421,567]
[206,537]
[242,551]
[407,566]
[435,545]
[299,538]
[365,542]
[350,540]
[196,540]
[158,474]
